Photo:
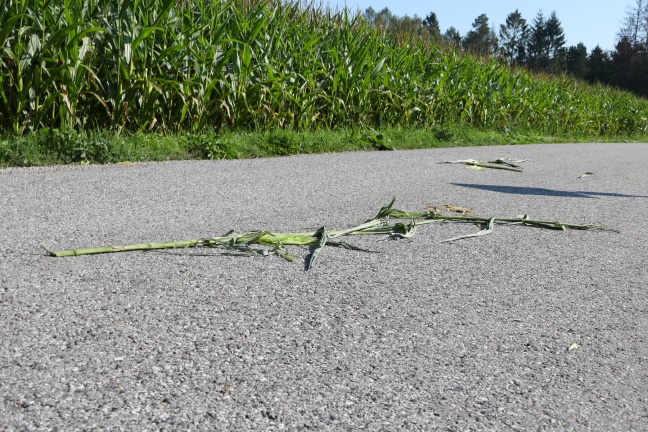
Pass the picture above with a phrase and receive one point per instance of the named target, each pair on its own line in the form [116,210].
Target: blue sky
[593,22]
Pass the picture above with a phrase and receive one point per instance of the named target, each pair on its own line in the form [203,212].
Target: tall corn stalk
[192,64]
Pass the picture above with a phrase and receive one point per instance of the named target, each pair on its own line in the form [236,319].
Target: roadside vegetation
[105,81]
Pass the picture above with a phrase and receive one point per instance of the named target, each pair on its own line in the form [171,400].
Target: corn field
[186,65]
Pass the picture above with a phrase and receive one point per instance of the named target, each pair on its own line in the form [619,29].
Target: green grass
[105,81]
[52,147]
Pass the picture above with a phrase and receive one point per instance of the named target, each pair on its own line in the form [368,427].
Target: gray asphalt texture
[470,335]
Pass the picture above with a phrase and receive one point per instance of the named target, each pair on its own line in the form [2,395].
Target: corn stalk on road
[524,328]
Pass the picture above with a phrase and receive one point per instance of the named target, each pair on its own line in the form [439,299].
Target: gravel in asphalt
[525,328]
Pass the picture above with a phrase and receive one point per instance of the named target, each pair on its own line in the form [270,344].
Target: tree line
[540,45]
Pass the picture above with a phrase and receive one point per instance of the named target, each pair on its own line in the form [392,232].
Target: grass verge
[54,146]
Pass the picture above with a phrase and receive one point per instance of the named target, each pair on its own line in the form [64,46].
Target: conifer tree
[453,37]
[555,43]
[622,60]
[599,66]
[577,60]
[630,57]
[538,46]
[482,39]
[546,43]
[432,24]
[513,38]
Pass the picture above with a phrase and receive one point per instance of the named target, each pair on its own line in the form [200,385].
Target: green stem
[377,225]
[128,248]
[483,165]
[397,214]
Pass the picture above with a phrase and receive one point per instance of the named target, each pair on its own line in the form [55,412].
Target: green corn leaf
[241,242]
[322,236]
[378,69]
[475,164]
[384,211]
[143,34]
[404,231]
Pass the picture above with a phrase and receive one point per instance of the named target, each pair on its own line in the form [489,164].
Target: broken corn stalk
[378,225]
[502,164]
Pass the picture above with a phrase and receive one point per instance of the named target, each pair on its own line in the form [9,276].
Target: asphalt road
[470,335]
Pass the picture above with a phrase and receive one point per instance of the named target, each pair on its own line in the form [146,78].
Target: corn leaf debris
[381,224]
[501,164]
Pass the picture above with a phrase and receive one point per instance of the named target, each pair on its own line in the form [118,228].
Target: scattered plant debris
[449,208]
[502,164]
[381,224]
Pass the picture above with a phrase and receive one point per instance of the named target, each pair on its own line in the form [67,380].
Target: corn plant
[185,65]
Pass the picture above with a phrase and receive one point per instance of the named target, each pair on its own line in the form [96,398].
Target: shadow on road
[520,190]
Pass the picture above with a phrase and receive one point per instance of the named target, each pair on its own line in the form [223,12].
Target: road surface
[525,328]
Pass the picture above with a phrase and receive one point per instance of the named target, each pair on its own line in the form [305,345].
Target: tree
[636,24]
[432,24]
[513,38]
[599,66]
[384,15]
[622,61]
[408,26]
[555,43]
[370,15]
[559,61]
[638,71]
[431,21]
[378,19]
[546,44]
[403,28]
[538,44]
[630,56]
[481,40]
[453,37]
[577,60]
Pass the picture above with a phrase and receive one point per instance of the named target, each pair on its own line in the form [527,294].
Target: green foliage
[90,79]
[513,38]
[599,66]
[209,145]
[431,22]
[33,149]
[71,146]
[240,243]
[163,65]
[577,60]
[378,140]
[443,134]
[282,143]
[481,40]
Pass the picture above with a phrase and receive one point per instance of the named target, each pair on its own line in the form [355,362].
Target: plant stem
[378,225]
